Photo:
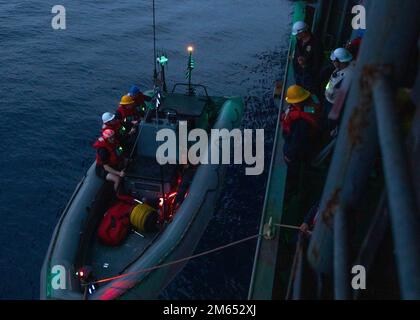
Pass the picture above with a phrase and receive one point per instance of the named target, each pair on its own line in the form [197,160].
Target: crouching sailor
[109,158]
[123,135]
[300,127]
[111,122]
[139,98]
[127,112]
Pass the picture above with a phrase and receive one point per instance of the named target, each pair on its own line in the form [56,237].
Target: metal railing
[191,85]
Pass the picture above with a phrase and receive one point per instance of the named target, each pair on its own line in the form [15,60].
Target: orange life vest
[310,113]
[129,114]
[115,155]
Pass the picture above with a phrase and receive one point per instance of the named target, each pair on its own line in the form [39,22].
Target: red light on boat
[173,194]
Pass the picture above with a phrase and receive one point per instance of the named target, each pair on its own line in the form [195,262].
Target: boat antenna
[157,101]
[190,68]
[154,44]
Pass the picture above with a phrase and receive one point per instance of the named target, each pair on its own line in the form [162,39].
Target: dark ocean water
[54,85]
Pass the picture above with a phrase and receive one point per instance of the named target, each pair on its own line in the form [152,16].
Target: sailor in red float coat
[139,97]
[112,157]
[109,158]
[309,113]
[300,123]
[300,130]
[111,122]
[124,136]
[127,112]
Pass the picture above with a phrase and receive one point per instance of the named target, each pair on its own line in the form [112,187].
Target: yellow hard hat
[296,94]
[127,100]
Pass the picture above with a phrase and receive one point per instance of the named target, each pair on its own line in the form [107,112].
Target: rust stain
[332,204]
[358,120]
[356,125]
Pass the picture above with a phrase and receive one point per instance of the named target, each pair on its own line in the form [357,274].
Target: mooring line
[176,261]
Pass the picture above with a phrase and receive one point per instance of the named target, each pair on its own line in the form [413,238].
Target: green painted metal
[264,269]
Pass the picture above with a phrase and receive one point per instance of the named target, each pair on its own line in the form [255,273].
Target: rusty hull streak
[332,204]
[356,124]
[358,119]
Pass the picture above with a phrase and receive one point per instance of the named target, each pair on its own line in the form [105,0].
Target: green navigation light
[162,60]
[191,63]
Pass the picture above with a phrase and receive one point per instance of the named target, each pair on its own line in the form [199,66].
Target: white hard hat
[299,27]
[107,116]
[342,55]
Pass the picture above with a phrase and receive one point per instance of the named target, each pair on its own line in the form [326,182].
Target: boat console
[145,176]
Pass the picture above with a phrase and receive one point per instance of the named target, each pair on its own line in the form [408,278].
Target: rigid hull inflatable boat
[185,197]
